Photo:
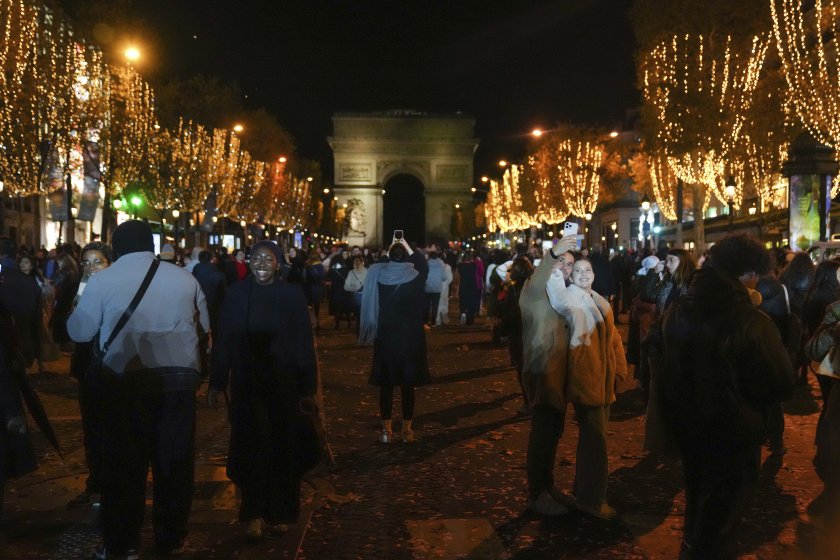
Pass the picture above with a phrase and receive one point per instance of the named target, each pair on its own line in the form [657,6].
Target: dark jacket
[773,301]
[399,351]
[213,284]
[723,364]
[20,297]
[314,283]
[269,367]
[813,310]
[20,307]
[604,283]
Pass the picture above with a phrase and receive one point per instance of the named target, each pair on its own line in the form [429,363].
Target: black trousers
[156,429]
[276,500]
[431,306]
[718,485]
[91,408]
[386,401]
[546,428]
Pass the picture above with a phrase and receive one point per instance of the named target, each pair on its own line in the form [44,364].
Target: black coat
[20,297]
[723,364]
[269,371]
[399,351]
[604,283]
[213,284]
[20,307]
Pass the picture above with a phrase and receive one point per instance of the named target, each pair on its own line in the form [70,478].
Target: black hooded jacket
[723,364]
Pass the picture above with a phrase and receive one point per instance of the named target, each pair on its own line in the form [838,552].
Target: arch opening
[404,207]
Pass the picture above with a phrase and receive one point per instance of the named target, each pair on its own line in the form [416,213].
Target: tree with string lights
[806,37]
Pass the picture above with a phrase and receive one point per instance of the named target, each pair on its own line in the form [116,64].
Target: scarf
[387,274]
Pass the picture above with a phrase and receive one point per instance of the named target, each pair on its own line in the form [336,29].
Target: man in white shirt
[149,375]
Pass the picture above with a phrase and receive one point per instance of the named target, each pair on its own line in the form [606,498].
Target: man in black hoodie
[724,363]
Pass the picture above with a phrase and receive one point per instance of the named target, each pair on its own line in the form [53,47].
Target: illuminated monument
[401,170]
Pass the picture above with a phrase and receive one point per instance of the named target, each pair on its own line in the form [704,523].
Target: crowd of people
[717,344]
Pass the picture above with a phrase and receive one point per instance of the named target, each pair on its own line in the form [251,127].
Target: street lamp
[644,222]
[132,54]
[729,191]
[503,163]
[237,128]
[536,132]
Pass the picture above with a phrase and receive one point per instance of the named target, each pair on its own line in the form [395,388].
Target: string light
[664,183]
[56,93]
[808,51]
[700,93]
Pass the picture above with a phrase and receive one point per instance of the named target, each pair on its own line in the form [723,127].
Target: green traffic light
[136,201]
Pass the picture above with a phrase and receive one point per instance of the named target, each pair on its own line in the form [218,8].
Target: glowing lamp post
[729,191]
[644,221]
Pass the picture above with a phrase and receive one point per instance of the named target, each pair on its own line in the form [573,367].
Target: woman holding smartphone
[392,320]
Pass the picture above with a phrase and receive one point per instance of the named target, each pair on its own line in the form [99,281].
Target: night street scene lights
[729,191]
[132,54]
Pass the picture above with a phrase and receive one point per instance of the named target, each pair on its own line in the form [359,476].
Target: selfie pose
[596,358]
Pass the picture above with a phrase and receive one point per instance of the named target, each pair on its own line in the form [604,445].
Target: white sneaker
[545,505]
[463,318]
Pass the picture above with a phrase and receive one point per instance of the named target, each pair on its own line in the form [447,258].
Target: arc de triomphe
[402,170]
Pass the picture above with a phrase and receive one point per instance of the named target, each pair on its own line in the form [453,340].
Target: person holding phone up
[392,320]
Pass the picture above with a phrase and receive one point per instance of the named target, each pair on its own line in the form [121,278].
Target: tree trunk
[698,196]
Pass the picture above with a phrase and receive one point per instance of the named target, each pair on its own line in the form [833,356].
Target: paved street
[458,492]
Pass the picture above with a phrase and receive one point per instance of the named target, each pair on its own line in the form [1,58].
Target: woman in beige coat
[595,359]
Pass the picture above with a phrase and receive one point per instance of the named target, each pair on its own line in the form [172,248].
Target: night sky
[513,65]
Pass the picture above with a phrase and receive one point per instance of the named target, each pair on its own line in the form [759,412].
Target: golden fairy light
[664,183]
[56,92]
[807,45]
[699,93]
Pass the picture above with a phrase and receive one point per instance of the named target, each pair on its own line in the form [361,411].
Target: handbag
[99,352]
[830,365]
[793,335]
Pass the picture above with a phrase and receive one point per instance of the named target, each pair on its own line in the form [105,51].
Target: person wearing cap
[149,378]
[392,313]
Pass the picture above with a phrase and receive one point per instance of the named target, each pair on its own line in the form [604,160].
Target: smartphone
[571,228]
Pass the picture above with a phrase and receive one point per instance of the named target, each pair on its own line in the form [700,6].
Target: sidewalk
[458,492]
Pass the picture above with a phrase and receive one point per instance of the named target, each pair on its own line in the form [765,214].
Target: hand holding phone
[570,229]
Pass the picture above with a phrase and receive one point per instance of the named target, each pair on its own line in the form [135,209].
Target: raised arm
[558,295]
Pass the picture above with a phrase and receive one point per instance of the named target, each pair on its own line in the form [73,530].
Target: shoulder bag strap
[132,306]
[787,300]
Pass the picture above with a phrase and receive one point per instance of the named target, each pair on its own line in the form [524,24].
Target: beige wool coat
[595,354]
[545,335]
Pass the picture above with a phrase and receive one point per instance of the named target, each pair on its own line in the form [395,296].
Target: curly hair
[103,248]
[739,253]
